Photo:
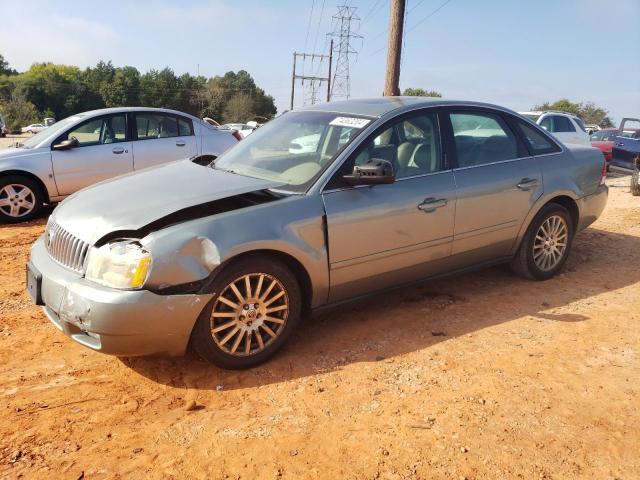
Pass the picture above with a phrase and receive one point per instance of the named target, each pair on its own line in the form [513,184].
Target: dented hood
[132,201]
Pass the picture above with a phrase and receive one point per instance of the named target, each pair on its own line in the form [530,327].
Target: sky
[515,53]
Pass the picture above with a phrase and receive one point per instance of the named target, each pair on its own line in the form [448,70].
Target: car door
[391,234]
[162,137]
[103,151]
[497,183]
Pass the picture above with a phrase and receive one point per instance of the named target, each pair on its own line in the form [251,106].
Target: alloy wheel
[16,200]
[550,243]
[249,314]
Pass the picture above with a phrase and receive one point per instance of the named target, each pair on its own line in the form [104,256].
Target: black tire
[37,199]
[202,337]
[635,183]
[523,263]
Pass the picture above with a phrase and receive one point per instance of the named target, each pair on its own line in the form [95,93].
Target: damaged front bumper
[117,322]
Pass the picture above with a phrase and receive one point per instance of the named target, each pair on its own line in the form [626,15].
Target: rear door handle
[118,150]
[619,144]
[431,204]
[527,184]
[180,143]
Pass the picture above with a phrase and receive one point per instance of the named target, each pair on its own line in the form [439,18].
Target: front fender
[194,250]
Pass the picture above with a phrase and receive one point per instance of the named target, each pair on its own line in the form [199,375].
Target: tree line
[58,91]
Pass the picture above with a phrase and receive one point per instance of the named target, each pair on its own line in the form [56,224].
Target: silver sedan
[392,191]
[93,146]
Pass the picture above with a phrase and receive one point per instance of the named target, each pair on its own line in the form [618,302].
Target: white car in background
[565,127]
[33,128]
[243,129]
[93,146]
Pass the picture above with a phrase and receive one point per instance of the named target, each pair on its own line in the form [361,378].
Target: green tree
[419,92]
[18,112]
[4,67]
[589,112]
[239,109]
[124,89]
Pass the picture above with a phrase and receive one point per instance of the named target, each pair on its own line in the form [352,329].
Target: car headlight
[122,264]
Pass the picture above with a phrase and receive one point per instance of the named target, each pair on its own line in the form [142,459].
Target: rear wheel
[257,308]
[20,199]
[635,183]
[546,245]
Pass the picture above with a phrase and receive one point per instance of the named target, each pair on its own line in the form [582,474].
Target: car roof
[379,106]
[102,111]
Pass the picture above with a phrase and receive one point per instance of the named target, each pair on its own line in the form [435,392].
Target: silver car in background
[93,146]
[393,190]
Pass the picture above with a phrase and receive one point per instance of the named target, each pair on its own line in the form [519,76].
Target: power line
[429,16]
[414,26]
[315,42]
[306,40]
[372,9]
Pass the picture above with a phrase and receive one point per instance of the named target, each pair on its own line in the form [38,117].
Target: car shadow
[417,318]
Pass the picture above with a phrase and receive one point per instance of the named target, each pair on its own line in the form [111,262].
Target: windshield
[293,149]
[47,133]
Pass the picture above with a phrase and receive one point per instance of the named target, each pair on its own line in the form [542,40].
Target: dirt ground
[480,376]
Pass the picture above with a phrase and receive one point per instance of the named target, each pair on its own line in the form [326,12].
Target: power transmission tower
[312,78]
[394,48]
[344,33]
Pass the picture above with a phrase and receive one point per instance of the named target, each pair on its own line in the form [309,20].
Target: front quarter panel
[194,250]
[36,162]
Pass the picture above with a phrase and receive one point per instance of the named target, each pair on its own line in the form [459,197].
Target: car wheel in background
[635,183]
[257,305]
[546,244]
[20,199]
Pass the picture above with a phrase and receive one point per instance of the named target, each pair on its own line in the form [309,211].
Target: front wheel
[635,183]
[256,308]
[20,199]
[546,245]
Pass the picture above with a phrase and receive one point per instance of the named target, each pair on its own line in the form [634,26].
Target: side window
[156,125]
[482,138]
[538,142]
[580,124]
[412,145]
[185,127]
[562,124]
[546,124]
[100,131]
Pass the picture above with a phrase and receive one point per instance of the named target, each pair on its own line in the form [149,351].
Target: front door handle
[527,184]
[619,144]
[431,204]
[180,143]
[118,150]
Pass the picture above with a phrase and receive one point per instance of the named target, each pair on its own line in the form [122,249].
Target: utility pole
[394,48]
[312,78]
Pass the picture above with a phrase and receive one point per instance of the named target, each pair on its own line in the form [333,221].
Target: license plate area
[34,284]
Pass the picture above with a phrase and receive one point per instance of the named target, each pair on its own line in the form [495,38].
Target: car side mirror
[544,128]
[67,144]
[374,172]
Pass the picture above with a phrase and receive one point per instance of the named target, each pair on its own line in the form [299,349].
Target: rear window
[538,143]
[562,124]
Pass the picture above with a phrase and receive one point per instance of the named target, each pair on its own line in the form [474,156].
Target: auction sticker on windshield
[349,122]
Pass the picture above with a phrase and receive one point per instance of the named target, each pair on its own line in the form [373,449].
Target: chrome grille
[64,248]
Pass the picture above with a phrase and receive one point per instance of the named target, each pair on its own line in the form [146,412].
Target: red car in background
[604,139]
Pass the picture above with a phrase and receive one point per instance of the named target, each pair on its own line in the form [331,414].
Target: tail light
[603,173]
[236,134]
